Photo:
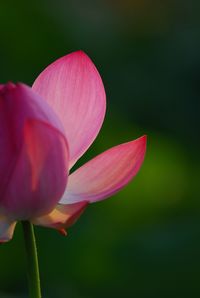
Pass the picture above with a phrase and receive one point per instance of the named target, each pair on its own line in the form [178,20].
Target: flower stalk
[32,260]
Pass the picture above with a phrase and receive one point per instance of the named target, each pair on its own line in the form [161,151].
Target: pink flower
[43,132]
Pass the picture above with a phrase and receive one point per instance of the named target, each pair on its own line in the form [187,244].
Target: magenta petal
[7,227]
[39,176]
[17,104]
[62,216]
[106,174]
[74,89]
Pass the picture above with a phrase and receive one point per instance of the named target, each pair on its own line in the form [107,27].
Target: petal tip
[79,53]
[141,142]
[62,232]
[142,139]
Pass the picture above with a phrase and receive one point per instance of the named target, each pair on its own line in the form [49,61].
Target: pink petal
[17,104]
[39,176]
[62,216]
[106,174]
[7,227]
[74,89]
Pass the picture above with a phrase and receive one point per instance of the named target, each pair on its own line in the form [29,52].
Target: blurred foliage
[145,241]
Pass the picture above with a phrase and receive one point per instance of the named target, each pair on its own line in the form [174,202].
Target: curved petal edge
[62,217]
[40,173]
[74,89]
[7,228]
[106,174]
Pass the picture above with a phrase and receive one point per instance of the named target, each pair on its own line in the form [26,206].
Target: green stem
[32,260]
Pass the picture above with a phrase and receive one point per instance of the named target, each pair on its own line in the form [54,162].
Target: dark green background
[145,241]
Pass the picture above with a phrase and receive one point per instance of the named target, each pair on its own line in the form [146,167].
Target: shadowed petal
[62,216]
[7,227]
[106,174]
[39,177]
[17,104]
[74,89]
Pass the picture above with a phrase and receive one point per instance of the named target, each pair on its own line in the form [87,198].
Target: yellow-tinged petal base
[7,228]
[62,217]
